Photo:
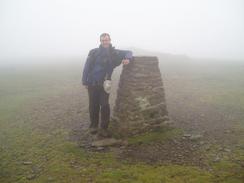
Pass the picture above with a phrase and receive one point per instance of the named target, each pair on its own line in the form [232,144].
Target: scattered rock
[31,176]
[106,142]
[192,136]
[208,148]
[124,143]
[122,147]
[195,137]
[227,131]
[187,135]
[168,122]
[216,159]
[27,163]
[100,148]
[50,179]
[227,150]
[201,142]
[221,149]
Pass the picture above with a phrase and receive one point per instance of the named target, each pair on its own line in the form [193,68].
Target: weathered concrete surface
[140,104]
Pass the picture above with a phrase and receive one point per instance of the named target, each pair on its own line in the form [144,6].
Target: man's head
[105,40]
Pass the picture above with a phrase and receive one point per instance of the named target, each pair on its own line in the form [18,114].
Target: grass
[144,173]
[160,134]
[55,159]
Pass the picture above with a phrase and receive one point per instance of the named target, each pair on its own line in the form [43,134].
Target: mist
[37,31]
[173,113]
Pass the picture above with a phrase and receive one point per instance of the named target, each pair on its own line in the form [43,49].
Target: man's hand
[125,61]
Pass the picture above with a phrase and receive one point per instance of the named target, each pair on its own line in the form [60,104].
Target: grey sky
[49,28]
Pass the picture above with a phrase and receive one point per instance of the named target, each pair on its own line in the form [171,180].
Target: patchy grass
[160,134]
[227,93]
[55,159]
[227,171]
[150,174]
[229,167]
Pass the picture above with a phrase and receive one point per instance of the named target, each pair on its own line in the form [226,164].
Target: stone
[216,159]
[227,131]
[31,176]
[100,148]
[192,136]
[187,135]
[201,142]
[106,142]
[227,150]
[140,104]
[27,163]
[50,179]
[195,137]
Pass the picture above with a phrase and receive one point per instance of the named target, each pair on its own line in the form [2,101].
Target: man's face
[105,41]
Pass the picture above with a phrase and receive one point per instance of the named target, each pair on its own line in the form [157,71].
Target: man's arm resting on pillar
[124,55]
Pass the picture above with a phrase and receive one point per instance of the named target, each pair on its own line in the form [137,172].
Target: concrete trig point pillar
[140,103]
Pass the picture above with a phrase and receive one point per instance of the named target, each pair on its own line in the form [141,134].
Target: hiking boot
[103,133]
[93,130]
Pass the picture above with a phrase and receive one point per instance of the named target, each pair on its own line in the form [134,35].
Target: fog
[34,30]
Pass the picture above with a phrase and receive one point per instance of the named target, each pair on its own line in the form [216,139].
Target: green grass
[160,134]
[226,169]
[55,159]
[150,174]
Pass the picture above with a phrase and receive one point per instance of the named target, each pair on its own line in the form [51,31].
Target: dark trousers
[98,100]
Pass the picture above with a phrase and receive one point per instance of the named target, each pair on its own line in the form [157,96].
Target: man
[99,67]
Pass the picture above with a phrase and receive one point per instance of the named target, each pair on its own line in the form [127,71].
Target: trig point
[140,104]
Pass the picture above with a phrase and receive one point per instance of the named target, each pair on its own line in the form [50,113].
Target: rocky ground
[44,135]
[203,126]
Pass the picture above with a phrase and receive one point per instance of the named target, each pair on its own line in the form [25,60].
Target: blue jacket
[101,62]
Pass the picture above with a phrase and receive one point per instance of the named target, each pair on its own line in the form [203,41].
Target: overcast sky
[49,28]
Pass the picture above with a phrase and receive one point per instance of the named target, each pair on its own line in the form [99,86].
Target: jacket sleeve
[124,54]
[86,68]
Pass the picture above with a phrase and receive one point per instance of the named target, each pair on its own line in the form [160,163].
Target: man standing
[99,67]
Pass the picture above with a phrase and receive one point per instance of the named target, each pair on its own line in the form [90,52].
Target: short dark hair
[104,34]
